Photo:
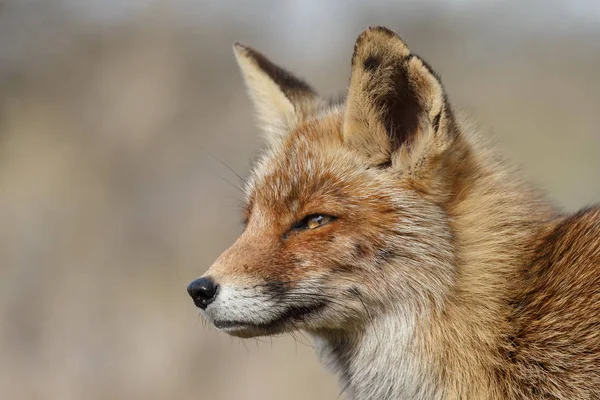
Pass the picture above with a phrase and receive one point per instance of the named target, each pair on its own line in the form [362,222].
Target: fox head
[344,212]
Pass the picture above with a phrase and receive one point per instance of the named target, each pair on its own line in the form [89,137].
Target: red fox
[422,265]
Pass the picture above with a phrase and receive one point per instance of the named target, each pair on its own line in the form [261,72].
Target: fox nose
[203,291]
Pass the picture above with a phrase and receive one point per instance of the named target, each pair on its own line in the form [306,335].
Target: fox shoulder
[557,341]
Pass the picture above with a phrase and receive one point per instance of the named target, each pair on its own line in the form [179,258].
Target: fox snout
[257,289]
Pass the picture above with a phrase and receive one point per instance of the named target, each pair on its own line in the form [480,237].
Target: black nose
[203,291]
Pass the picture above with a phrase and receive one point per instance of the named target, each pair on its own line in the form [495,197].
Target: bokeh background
[110,204]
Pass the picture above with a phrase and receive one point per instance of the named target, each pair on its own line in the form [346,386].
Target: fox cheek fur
[421,262]
[350,266]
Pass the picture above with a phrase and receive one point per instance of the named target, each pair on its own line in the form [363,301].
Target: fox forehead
[308,168]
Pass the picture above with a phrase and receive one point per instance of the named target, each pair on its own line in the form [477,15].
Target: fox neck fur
[497,220]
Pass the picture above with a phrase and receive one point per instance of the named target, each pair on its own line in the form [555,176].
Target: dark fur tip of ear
[239,48]
[382,29]
[283,78]
[247,51]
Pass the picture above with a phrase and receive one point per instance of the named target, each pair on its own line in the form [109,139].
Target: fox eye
[313,221]
[317,221]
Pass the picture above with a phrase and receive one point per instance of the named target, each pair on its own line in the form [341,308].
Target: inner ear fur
[396,109]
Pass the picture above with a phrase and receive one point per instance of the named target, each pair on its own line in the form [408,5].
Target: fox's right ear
[280,99]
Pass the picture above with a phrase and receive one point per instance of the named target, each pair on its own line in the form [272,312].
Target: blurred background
[110,205]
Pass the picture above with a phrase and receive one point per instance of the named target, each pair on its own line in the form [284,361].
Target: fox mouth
[287,319]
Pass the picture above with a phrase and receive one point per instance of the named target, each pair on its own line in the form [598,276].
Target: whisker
[244,344]
[306,341]
[229,182]
[236,199]
[293,335]
[222,163]
[231,206]
[260,340]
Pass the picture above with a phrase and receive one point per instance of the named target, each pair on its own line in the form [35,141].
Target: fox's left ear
[280,98]
[396,109]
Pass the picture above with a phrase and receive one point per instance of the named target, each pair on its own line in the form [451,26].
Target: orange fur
[441,275]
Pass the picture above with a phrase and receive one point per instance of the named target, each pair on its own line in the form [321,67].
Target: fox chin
[422,263]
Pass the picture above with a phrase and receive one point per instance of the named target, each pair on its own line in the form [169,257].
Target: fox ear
[396,109]
[279,97]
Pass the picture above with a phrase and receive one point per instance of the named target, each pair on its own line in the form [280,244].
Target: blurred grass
[108,206]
